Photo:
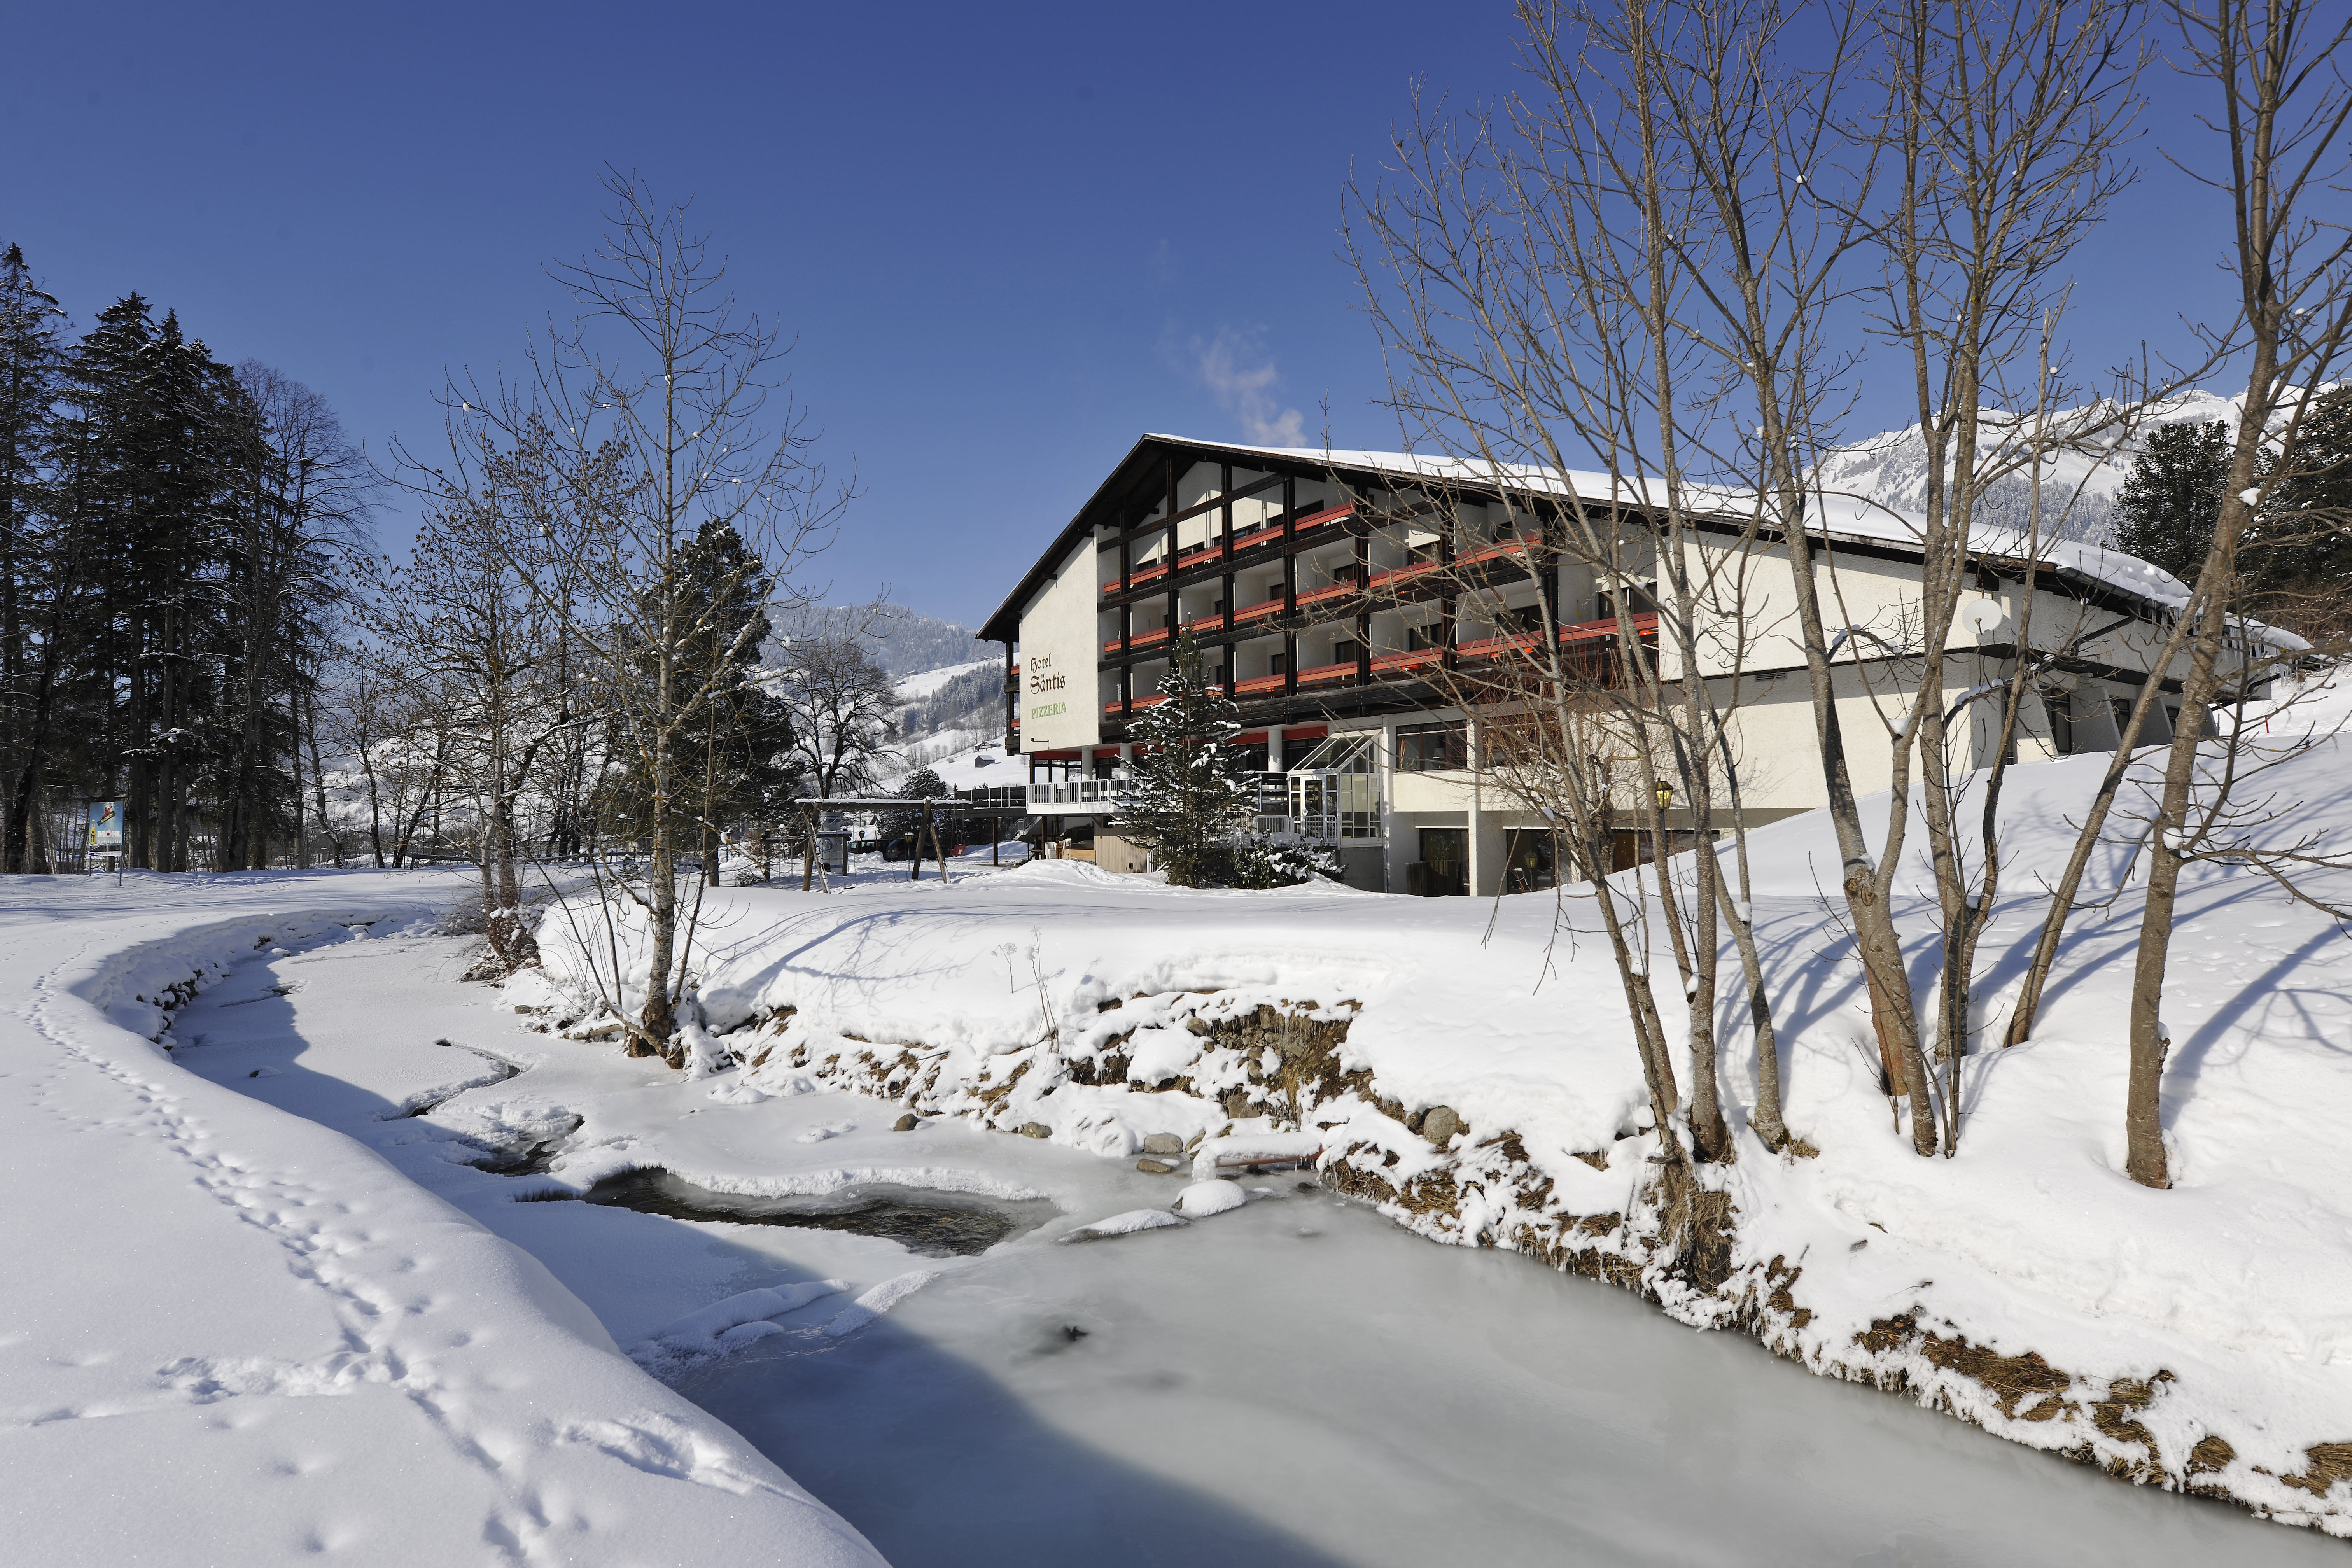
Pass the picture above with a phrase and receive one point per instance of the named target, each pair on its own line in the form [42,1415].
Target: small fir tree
[1183,800]
[920,784]
[2171,499]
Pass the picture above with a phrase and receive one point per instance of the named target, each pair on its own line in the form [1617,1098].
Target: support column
[1474,867]
[1392,868]
[1363,613]
[1274,753]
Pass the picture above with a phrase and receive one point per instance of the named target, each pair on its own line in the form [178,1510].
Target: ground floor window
[1530,860]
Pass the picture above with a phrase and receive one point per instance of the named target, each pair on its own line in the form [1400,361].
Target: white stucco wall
[1059,654]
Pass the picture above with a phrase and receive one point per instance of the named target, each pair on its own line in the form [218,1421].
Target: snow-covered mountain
[2078,487]
[953,717]
[902,641]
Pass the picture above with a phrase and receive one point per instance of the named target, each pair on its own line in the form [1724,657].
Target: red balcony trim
[1329,515]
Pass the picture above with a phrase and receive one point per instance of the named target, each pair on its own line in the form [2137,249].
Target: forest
[197,623]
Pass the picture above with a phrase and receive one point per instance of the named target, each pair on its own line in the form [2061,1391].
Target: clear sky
[1011,239]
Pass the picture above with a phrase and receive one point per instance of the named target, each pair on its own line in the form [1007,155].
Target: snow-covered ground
[234,1329]
[279,1277]
[2199,1338]
[1294,1381]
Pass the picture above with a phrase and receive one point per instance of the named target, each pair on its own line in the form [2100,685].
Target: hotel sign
[1060,647]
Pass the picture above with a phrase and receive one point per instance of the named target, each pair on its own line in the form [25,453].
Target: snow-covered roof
[1853,507]
[1848,515]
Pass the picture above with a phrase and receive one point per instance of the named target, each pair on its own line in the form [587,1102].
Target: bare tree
[300,527]
[2276,67]
[652,404]
[468,626]
[1552,299]
[843,706]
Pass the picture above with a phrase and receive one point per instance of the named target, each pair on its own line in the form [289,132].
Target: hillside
[903,641]
[2078,488]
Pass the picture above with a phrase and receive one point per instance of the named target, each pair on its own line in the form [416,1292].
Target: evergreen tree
[2171,499]
[736,749]
[33,593]
[920,784]
[1184,802]
[160,583]
[2298,562]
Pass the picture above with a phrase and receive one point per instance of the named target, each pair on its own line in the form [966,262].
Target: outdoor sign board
[1059,703]
[105,825]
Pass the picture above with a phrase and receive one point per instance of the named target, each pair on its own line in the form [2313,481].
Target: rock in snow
[1204,1198]
[1126,1224]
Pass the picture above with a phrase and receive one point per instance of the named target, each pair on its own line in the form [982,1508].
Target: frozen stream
[1298,1383]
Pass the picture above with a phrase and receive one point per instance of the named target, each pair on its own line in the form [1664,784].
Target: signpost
[106,831]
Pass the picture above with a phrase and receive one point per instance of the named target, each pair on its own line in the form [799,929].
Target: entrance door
[1446,852]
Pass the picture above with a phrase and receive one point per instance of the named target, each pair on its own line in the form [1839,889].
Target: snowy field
[237,1329]
[283,1272]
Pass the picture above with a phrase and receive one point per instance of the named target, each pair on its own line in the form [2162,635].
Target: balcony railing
[1589,643]
[1203,554]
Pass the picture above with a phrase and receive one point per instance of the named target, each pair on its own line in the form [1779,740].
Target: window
[1530,860]
[1638,601]
[1517,622]
[1426,748]
[1424,637]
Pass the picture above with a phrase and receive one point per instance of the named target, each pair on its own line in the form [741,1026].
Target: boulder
[907,1124]
[1035,1129]
[1162,1143]
[1440,1125]
[1155,1167]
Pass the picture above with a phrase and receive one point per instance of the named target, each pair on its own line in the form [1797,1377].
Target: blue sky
[1010,239]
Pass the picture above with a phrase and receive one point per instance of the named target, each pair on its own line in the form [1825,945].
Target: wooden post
[1290,588]
[939,851]
[808,843]
[917,874]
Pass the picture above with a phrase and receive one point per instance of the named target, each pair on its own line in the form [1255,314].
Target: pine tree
[920,784]
[34,591]
[1183,800]
[2171,499]
[2296,560]
[736,747]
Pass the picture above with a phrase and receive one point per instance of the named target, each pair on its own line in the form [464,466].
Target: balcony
[1589,643]
[1073,798]
[1204,556]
